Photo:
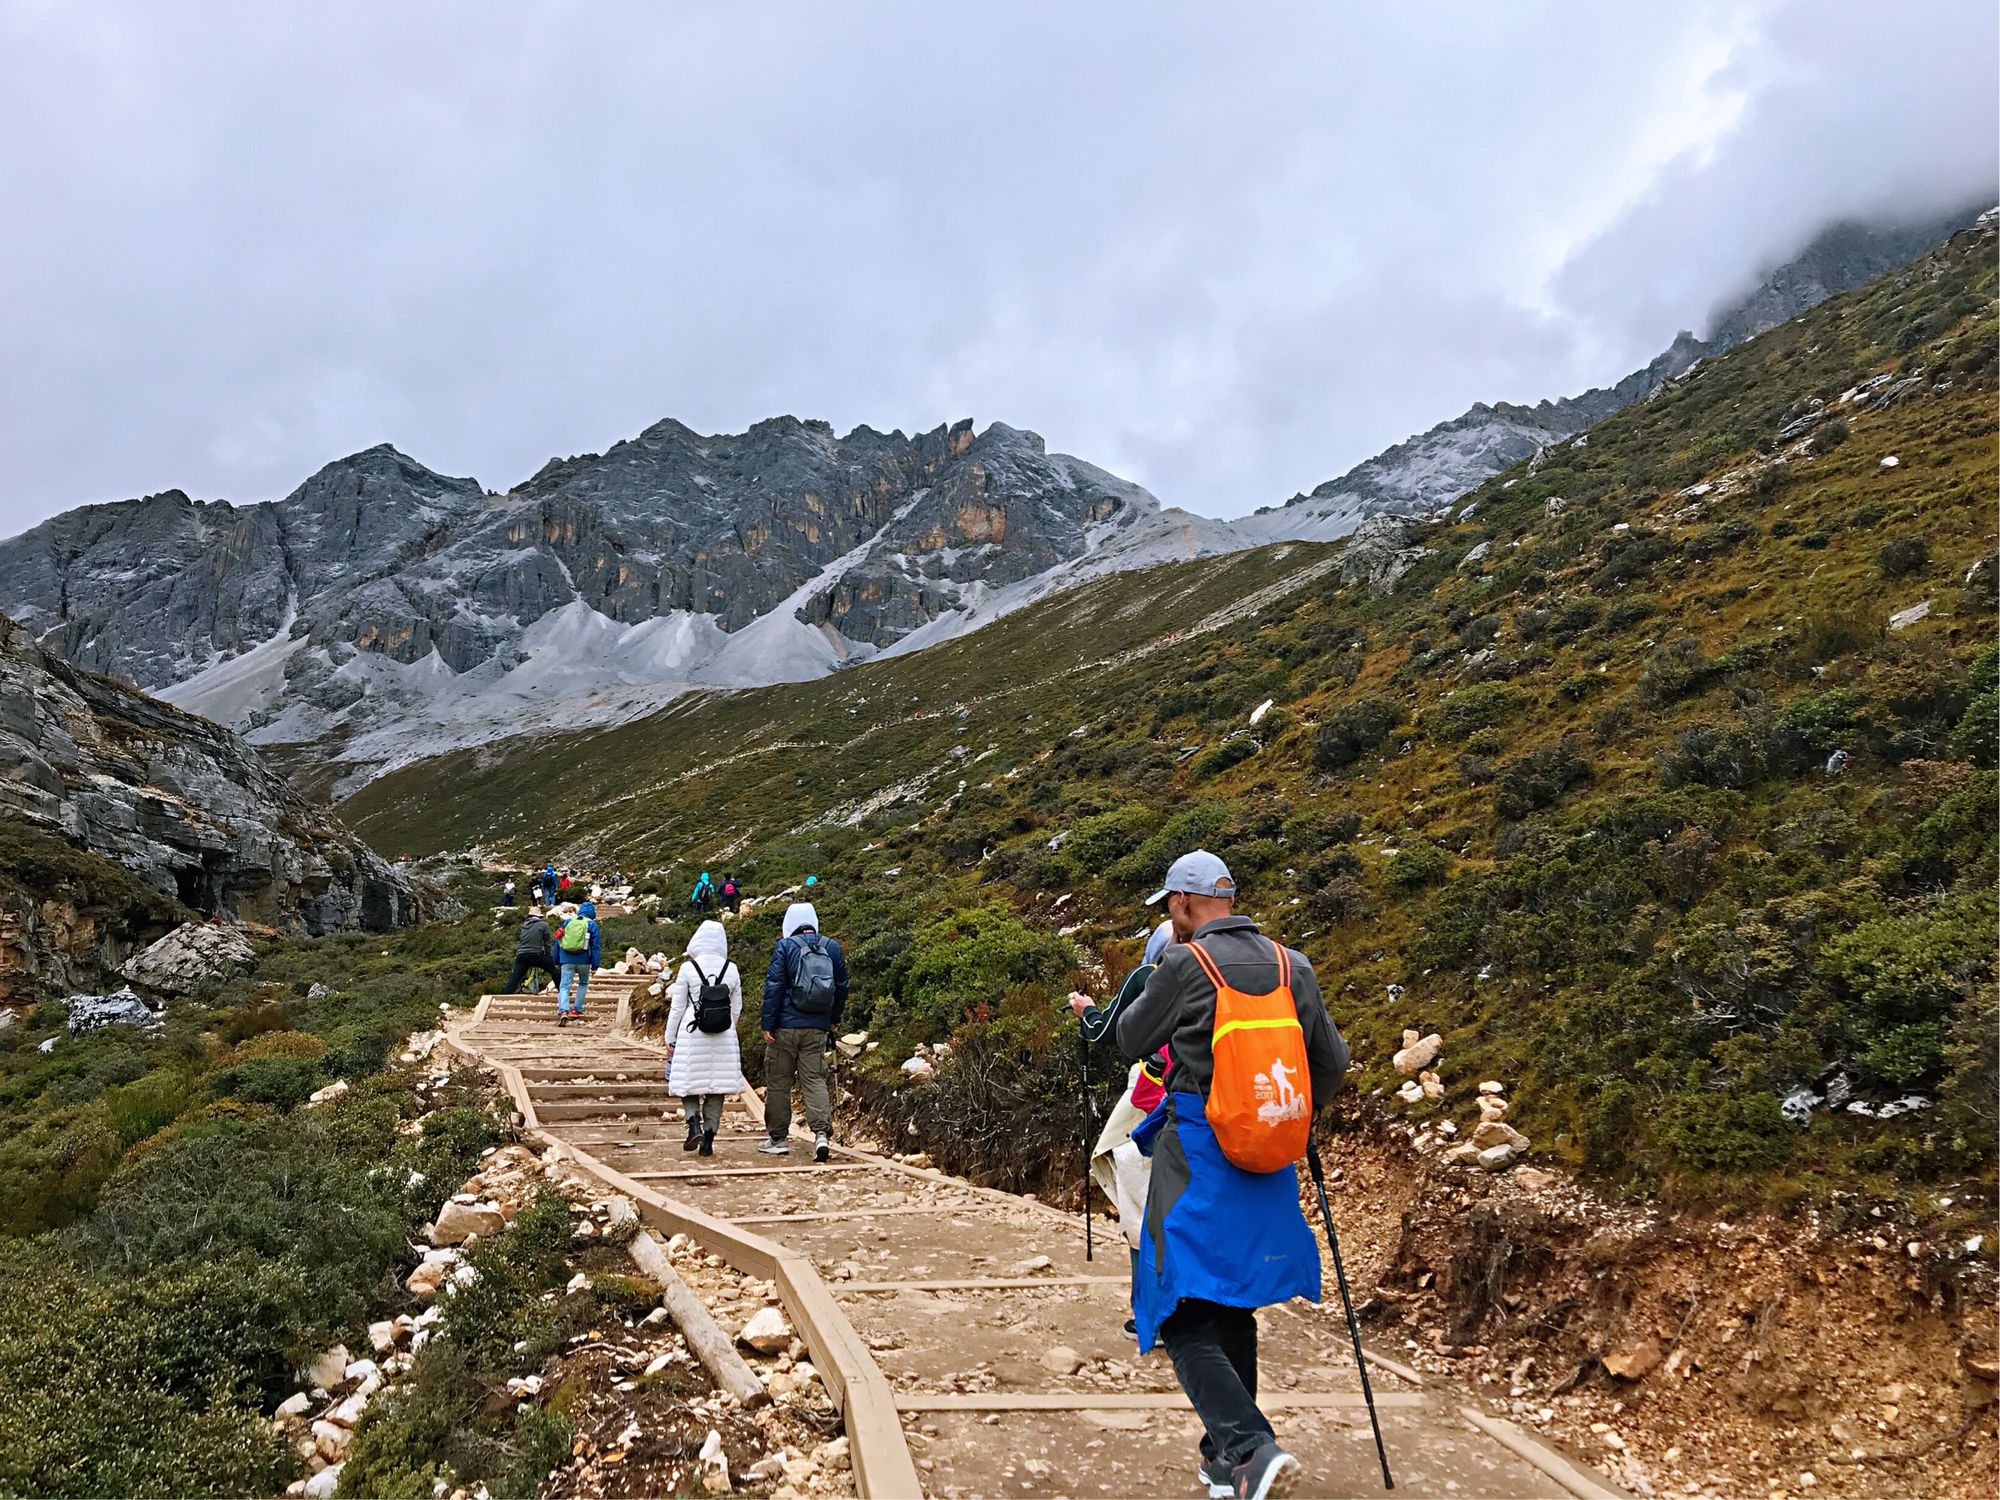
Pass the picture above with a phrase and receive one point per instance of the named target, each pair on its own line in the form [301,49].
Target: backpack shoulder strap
[1284,965]
[1208,966]
[699,969]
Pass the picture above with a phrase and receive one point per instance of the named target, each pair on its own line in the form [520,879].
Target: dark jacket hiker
[531,952]
[805,994]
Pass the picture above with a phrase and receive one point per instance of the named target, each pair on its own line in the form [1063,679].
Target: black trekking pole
[1083,1106]
[1347,1303]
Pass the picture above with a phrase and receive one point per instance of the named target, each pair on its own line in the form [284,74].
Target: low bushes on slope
[185,1235]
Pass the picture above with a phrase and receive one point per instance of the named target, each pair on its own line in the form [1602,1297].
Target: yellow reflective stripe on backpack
[1228,1026]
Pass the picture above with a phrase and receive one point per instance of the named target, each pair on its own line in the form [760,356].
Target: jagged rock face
[178,801]
[376,560]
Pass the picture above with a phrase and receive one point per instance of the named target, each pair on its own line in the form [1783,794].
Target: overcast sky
[1227,251]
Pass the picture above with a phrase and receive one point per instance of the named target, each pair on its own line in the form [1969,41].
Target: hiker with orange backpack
[1251,1051]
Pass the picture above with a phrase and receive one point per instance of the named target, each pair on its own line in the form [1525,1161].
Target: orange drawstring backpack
[1260,1095]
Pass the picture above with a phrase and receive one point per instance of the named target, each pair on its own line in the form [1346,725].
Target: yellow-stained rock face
[981,523]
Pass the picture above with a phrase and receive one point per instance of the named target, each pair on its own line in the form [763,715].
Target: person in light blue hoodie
[578,947]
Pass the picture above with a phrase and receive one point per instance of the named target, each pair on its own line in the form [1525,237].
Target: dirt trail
[1004,1348]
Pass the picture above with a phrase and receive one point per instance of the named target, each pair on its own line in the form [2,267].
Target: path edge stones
[883,1467]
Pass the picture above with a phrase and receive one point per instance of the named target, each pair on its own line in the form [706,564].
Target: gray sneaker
[1267,1474]
[774,1148]
[822,1147]
[1218,1477]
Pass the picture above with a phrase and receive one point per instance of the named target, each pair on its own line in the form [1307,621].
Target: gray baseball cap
[1197,874]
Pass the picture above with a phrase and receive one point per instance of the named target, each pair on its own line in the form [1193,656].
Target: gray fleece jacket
[1178,1008]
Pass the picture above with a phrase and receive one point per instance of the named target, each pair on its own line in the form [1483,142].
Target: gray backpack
[812,976]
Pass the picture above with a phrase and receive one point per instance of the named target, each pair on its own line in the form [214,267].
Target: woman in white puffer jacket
[704,1067]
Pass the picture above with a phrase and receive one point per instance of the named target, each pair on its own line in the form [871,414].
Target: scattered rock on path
[1496,1158]
[767,1332]
[1633,1361]
[1060,1359]
[1498,1133]
[457,1222]
[330,1368]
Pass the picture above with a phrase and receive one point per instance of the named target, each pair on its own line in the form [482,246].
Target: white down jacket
[703,1062]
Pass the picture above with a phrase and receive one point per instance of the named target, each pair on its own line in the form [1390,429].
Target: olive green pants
[796,1055]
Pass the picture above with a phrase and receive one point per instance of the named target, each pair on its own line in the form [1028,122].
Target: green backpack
[576,935]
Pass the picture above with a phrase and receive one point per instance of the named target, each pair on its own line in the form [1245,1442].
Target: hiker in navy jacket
[799,1021]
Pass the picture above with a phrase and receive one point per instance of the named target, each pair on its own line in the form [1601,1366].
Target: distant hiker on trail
[549,883]
[703,893]
[507,892]
[577,950]
[1223,1234]
[531,953]
[805,991]
[732,894]
[704,1063]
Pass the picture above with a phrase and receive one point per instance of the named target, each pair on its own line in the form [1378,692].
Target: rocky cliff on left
[177,803]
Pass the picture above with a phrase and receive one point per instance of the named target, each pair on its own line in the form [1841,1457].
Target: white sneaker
[774,1148]
[822,1147]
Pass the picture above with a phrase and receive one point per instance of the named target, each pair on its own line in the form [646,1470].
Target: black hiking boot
[694,1137]
[707,1143]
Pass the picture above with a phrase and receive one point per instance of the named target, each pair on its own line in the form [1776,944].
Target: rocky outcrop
[178,802]
[119,1008]
[191,957]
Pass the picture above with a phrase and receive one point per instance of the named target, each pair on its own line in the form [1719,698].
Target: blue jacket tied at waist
[1213,1230]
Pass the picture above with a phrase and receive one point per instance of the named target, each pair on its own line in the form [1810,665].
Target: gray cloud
[1228,251]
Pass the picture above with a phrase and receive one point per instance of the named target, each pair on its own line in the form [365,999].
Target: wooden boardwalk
[971,1348]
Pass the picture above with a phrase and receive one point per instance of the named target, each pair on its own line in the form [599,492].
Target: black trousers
[523,963]
[1214,1350]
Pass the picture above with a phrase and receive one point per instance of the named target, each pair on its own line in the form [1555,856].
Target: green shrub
[1726,1132]
[1231,752]
[1477,707]
[281,1082]
[1539,779]
[1904,557]
[1416,866]
[972,958]
[1354,730]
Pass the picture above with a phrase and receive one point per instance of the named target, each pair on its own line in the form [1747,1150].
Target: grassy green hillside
[1563,793]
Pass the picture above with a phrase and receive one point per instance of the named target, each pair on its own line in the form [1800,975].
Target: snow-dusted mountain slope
[383,612]
[393,611]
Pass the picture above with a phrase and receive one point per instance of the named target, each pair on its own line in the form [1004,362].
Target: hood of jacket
[588,909]
[709,946]
[800,914]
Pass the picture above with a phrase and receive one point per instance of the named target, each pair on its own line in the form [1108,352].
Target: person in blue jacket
[1218,1242]
[805,992]
[578,961]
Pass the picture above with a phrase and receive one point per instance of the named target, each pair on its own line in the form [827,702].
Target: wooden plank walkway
[929,1302]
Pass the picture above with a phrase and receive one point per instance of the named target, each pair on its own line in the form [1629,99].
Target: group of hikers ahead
[805,995]
[1231,1049]
[707,893]
[565,944]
